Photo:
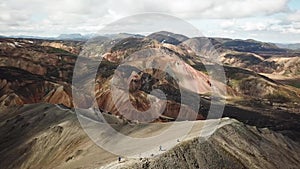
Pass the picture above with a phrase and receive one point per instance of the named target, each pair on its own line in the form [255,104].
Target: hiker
[119,159]
[160,148]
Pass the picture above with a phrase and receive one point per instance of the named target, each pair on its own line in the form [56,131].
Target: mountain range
[261,96]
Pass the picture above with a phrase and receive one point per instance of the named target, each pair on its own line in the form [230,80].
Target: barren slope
[49,136]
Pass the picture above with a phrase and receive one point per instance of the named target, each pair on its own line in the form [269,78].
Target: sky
[265,20]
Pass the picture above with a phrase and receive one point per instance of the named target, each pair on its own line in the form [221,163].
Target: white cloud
[229,23]
[250,26]
[36,17]
[202,9]
[295,16]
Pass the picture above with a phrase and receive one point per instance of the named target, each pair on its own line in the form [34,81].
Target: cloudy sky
[266,20]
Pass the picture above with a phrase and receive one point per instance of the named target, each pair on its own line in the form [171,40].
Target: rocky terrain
[46,136]
[233,145]
[36,99]
[50,136]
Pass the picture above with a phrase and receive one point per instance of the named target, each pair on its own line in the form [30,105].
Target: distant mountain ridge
[72,36]
[293,46]
[175,39]
[75,36]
